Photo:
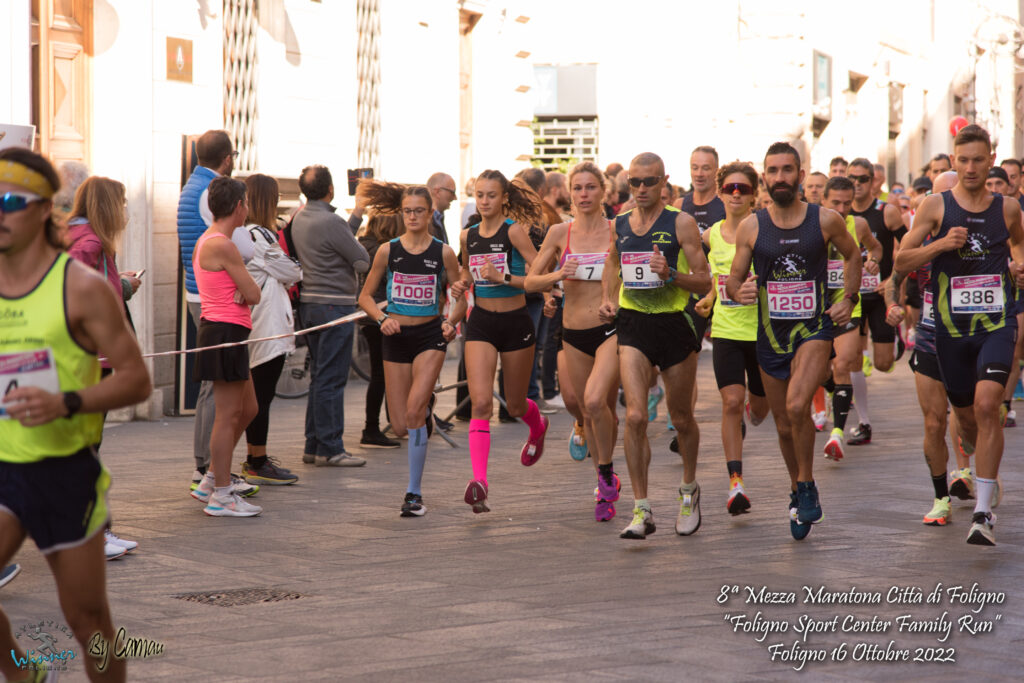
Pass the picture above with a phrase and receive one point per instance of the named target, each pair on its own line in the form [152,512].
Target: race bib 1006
[792,300]
[27,369]
[976,294]
[477,262]
[414,290]
[636,270]
[589,267]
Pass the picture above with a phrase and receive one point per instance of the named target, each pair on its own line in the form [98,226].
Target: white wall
[15,79]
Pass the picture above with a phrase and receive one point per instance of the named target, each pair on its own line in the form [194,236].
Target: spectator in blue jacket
[216,158]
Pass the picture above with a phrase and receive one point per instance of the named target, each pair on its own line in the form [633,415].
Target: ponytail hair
[523,203]
[386,198]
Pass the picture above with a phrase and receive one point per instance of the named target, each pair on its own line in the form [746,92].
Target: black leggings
[375,387]
[264,382]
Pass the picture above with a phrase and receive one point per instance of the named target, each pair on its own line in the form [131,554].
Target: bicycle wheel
[294,380]
[361,355]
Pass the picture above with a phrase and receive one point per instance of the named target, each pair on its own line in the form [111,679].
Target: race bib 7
[477,262]
[589,267]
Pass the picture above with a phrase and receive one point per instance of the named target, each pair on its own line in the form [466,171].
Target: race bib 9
[476,264]
[414,290]
[976,294]
[636,270]
[835,273]
[590,267]
[792,300]
[27,369]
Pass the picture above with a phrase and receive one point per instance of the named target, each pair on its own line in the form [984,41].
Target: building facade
[410,87]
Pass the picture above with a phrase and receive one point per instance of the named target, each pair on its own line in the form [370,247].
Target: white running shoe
[112,538]
[233,506]
[819,421]
[112,552]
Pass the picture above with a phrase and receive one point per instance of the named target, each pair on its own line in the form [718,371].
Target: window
[240,79]
[559,143]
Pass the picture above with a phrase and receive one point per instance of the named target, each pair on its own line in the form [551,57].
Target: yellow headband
[19,174]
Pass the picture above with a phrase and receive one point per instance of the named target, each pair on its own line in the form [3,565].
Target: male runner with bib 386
[788,245]
[972,286]
[59,315]
[653,267]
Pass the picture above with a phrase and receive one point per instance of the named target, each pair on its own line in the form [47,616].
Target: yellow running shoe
[867,366]
[940,514]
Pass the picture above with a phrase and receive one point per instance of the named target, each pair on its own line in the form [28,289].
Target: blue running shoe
[808,505]
[653,399]
[798,530]
[577,443]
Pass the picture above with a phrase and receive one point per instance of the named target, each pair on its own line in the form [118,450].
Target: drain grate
[239,597]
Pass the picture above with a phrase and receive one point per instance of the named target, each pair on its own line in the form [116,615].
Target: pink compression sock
[532,419]
[479,447]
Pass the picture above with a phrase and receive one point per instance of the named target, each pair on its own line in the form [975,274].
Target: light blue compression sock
[417,457]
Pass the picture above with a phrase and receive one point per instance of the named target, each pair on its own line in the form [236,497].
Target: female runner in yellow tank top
[733,329]
[580,249]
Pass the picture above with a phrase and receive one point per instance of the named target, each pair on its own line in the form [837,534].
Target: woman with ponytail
[496,253]
[415,268]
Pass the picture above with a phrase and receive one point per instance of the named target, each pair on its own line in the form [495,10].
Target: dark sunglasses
[732,188]
[860,178]
[12,202]
[649,181]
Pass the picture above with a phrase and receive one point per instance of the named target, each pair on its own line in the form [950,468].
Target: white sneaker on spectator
[113,539]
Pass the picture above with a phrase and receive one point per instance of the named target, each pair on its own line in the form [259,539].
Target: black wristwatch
[853,298]
[508,278]
[73,403]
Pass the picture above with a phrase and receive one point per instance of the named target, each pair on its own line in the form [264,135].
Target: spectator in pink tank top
[226,290]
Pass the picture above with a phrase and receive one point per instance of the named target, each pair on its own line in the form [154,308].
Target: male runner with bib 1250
[788,244]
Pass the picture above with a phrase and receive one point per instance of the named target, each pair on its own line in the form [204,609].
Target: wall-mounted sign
[179,60]
[17,136]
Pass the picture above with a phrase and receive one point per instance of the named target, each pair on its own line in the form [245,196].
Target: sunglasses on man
[13,202]
[649,181]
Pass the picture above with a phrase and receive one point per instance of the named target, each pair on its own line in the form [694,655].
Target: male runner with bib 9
[654,267]
[972,285]
[787,243]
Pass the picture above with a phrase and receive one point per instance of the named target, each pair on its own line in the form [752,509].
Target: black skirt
[221,365]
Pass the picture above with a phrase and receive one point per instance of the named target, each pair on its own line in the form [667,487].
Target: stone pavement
[536,590]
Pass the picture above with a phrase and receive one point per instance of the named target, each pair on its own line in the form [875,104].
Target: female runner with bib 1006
[416,266]
[591,348]
[496,253]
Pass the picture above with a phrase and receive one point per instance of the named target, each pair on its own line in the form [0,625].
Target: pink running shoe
[605,496]
[476,495]
[534,449]
[604,511]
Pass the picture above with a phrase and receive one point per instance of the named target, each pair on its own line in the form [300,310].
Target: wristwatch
[72,402]
[508,278]
[671,274]
[853,298]
[381,319]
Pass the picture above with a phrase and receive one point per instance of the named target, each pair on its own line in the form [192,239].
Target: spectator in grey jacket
[330,257]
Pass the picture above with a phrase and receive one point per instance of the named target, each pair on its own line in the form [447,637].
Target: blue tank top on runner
[792,281]
[972,288]
[415,281]
[875,216]
[497,249]
[642,290]
[705,215]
